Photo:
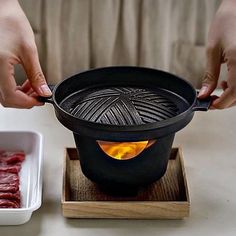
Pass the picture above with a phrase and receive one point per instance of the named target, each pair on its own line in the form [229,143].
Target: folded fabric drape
[75,35]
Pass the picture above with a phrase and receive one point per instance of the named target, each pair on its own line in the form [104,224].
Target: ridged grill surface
[123,106]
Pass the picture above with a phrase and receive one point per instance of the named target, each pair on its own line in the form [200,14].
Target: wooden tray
[167,198]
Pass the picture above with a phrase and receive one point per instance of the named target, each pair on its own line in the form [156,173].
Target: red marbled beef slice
[9,188]
[10,165]
[10,168]
[9,203]
[12,157]
[5,195]
[9,178]
[11,153]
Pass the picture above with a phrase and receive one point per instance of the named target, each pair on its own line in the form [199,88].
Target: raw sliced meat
[16,195]
[10,168]
[10,153]
[12,188]
[12,157]
[7,203]
[9,178]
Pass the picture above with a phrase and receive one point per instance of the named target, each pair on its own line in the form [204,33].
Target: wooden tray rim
[158,204]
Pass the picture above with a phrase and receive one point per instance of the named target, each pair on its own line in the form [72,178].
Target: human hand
[17,46]
[221,48]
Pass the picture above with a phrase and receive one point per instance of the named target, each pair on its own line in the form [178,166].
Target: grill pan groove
[122,106]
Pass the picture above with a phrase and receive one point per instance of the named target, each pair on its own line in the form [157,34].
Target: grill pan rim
[125,128]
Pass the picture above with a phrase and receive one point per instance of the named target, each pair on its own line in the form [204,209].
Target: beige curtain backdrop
[74,35]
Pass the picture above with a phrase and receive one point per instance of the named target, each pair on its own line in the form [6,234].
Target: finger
[225,100]
[27,89]
[18,99]
[213,98]
[211,76]
[229,95]
[10,96]
[26,86]
[34,72]
[30,91]
[22,100]
[34,95]
[233,104]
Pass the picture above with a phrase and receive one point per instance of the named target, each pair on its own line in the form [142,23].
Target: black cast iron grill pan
[125,103]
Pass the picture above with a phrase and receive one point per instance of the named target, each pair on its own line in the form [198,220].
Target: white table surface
[209,147]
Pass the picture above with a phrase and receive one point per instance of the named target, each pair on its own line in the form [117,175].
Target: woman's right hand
[221,48]
[17,46]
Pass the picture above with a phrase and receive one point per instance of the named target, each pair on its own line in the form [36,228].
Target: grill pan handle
[202,105]
[47,99]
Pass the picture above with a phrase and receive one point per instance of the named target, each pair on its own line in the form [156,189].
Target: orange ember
[124,150]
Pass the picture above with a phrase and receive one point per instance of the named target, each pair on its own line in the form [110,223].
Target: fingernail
[45,89]
[203,90]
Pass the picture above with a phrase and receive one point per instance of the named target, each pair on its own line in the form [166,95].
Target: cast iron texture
[121,106]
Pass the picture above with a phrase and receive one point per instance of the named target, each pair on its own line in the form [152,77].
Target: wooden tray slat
[165,199]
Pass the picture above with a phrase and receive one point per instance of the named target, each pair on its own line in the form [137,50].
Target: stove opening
[124,150]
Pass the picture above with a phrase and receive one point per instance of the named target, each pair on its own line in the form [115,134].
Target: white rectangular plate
[30,175]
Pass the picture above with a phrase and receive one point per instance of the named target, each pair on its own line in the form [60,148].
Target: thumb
[30,61]
[211,76]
